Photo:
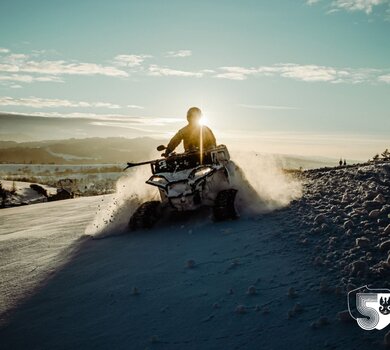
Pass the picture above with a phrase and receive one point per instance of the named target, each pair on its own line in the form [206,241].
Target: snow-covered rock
[363,242]
[22,193]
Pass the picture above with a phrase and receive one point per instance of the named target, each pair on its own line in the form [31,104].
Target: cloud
[104,120]
[288,70]
[384,78]
[231,76]
[62,67]
[267,107]
[29,78]
[158,71]
[135,107]
[312,2]
[130,60]
[207,71]
[366,6]
[357,5]
[236,73]
[136,123]
[36,102]
[180,53]
[22,63]
[22,68]
[307,73]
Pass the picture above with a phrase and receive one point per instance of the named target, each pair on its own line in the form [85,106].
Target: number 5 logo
[364,303]
[373,305]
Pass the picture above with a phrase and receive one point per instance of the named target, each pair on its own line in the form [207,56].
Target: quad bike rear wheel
[224,206]
[146,215]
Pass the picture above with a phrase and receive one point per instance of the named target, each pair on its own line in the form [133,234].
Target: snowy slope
[138,291]
[35,240]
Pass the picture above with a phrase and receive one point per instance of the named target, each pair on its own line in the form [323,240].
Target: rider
[192,134]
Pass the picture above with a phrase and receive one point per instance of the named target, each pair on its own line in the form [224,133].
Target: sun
[203,120]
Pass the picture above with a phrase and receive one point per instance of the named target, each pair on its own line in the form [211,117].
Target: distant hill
[78,151]
[18,132]
[306,162]
[110,150]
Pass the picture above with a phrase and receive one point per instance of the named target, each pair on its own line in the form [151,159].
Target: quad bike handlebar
[159,148]
[131,165]
[172,157]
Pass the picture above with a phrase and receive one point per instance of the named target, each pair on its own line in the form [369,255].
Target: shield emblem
[370,307]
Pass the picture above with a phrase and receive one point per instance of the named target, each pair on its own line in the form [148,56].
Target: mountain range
[112,150]
[78,151]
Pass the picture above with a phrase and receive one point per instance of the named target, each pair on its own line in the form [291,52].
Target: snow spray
[114,212]
[262,185]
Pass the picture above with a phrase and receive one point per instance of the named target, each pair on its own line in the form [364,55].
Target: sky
[309,77]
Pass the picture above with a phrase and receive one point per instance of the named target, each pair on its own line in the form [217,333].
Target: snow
[24,193]
[67,291]
[35,240]
[50,172]
[187,284]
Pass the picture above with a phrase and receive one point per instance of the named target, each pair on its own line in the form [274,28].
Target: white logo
[372,307]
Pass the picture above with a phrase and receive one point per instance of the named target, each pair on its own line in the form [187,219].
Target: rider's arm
[175,141]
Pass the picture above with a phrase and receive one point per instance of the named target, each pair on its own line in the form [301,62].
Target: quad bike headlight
[157,180]
[201,172]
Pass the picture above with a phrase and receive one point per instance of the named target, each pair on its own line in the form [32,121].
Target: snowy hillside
[76,151]
[191,284]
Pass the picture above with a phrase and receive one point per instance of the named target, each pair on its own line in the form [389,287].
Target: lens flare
[203,120]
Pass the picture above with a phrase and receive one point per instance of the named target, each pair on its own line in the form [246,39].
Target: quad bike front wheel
[146,215]
[224,205]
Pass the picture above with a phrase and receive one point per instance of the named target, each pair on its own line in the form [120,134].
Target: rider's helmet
[193,115]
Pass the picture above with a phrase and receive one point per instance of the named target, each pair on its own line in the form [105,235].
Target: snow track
[177,287]
[35,240]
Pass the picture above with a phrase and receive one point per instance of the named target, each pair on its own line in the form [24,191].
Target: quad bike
[186,182]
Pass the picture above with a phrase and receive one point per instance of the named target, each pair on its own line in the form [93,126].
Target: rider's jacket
[193,136]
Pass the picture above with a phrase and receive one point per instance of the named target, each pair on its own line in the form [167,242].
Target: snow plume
[261,184]
[114,212]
